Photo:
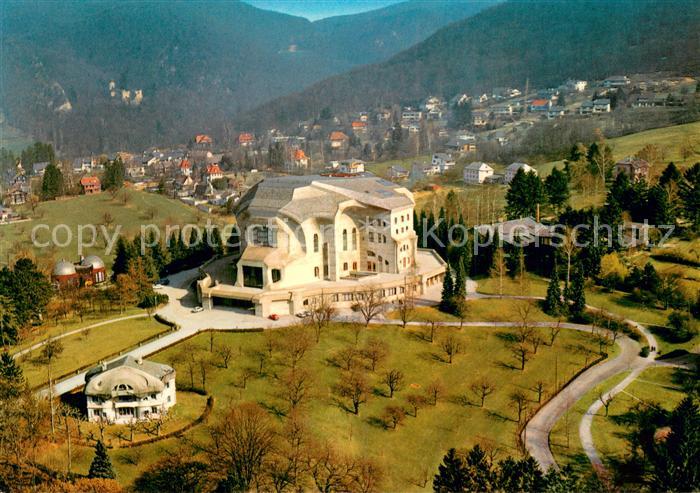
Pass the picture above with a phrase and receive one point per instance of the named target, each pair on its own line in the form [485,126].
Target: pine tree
[576,294]
[552,302]
[557,188]
[52,182]
[11,377]
[460,286]
[451,474]
[524,194]
[124,252]
[101,466]
[448,291]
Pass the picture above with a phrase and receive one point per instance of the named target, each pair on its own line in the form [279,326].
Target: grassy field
[139,208]
[491,310]
[670,139]
[410,453]
[52,329]
[90,347]
[654,385]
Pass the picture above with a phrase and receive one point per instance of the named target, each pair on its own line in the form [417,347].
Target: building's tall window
[315,243]
[345,239]
[354,238]
[276,275]
[317,272]
[261,236]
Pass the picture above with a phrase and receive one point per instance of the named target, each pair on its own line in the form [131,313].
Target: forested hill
[196,63]
[543,41]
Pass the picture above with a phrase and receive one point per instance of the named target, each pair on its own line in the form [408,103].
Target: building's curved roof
[63,268]
[94,261]
[138,377]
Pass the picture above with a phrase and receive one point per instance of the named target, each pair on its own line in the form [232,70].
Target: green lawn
[89,347]
[140,208]
[480,310]
[52,329]
[534,286]
[654,385]
[412,451]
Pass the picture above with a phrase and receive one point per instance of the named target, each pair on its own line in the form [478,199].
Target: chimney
[538,213]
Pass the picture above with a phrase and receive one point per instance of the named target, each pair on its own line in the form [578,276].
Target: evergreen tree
[8,321]
[101,466]
[451,475]
[28,289]
[11,377]
[448,291]
[480,474]
[123,253]
[552,302]
[557,188]
[113,178]
[690,195]
[576,294]
[670,174]
[51,183]
[659,208]
[524,194]
[460,286]
[461,115]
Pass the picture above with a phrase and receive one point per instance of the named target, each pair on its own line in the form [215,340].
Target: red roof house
[91,185]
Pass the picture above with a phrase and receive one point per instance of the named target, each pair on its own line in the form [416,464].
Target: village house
[397,172]
[556,112]
[351,166]
[480,118]
[129,389]
[576,85]
[299,159]
[443,161]
[524,231]
[409,116]
[540,105]
[39,168]
[246,139]
[635,168]
[601,105]
[476,173]
[185,168]
[90,185]
[202,141]
[616,81]
[338,140]
[419,170]
[502,109]
[214,172]
[359,127]
[308,236]
[513,169]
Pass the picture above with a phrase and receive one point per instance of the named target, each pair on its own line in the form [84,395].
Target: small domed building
[129,389]
[87,272]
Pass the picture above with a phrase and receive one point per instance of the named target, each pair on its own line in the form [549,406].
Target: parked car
[304,314]
[274,316]
[164,282]
[197,309]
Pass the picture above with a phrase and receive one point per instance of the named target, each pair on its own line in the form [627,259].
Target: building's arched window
[354,238]
[317,272]
[345,266]
[315,243]
[345,239]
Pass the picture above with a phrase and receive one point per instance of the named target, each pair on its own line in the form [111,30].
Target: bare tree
[356,330]
[295,344]
[524,330]
[370,303]
[554,332]
[451,347]
[346,357]
[394,380]
[519,400]
[431,326]
[416,401]
[321,313]
[225,353]
[375,351]
[499,268]
[295,386]
[535,341]
[240,444]
[540,388]
[406,305]
[522,353]
[353,385]
[393,416]
[246,374]
[605,400]
[483,388]
[434,390]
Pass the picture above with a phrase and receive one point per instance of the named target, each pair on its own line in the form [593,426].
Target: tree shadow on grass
[505,365]
[379,392]
[499,417]
[507,337]
[273,409]
[376,422]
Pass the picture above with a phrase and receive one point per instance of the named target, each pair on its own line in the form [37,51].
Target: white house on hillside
[477,172]
[512,170]
[443,161]
[129,389]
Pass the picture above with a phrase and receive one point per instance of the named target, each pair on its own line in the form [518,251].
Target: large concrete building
[303,236]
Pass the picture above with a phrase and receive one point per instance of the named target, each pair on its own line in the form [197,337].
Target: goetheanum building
[129,389]
[311,235]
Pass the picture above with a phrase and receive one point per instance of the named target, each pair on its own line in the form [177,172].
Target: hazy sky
[318,9]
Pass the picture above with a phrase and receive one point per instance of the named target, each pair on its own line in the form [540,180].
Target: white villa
[129,389]
[476,173]
[443,161]
[311,235]
[512,170]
